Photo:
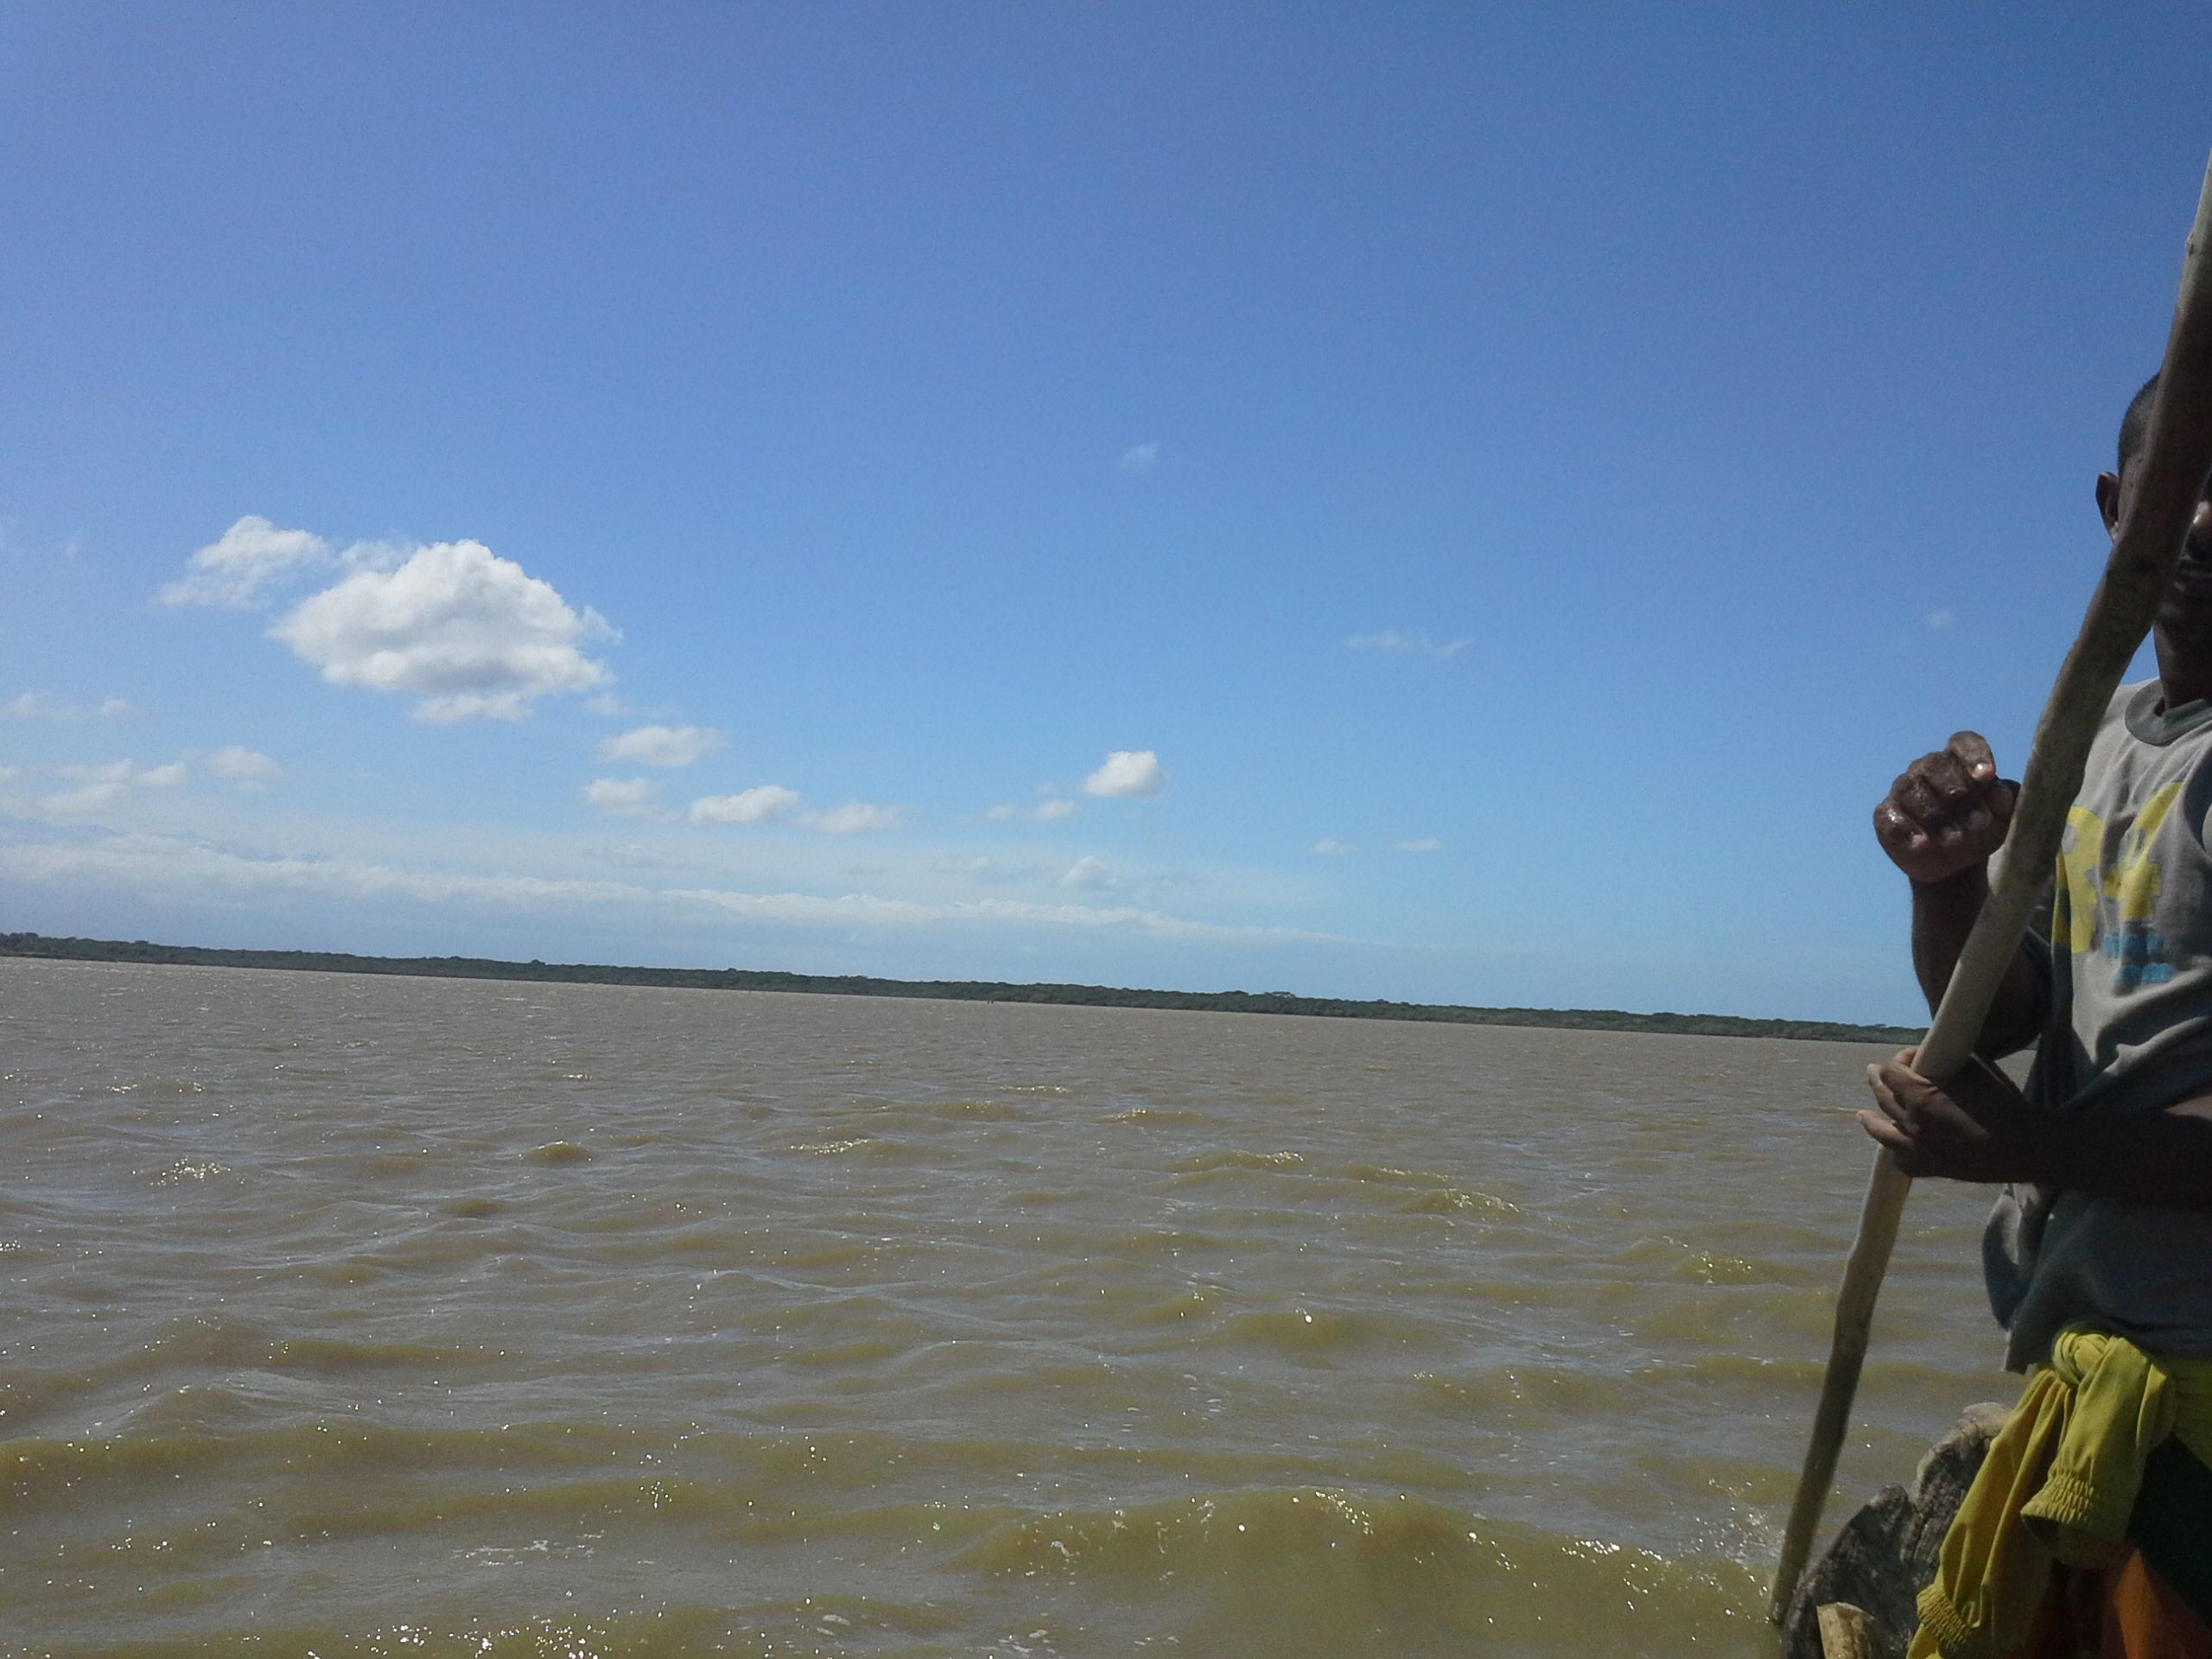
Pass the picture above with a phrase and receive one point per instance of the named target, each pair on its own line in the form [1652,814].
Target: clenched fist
[1947,812]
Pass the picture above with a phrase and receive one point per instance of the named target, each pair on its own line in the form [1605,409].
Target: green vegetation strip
[954,990]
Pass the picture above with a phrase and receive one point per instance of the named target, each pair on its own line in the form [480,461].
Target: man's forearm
[1943,914]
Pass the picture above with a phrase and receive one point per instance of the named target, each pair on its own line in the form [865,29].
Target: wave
[1324,1571]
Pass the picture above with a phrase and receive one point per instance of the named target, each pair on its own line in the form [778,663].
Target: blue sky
[722,485]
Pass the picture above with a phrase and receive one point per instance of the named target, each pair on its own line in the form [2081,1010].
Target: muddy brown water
[349,1315]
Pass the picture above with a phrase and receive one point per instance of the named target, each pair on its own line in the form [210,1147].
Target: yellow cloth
[2058,1487]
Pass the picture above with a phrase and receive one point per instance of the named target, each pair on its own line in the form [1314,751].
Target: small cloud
[856,818]
[470,634]
[608,704]
[621,798]
[1139,457]
[1940,620]
[636,855]
[1426,844]
[37,705]
[104,784]
[953,864]
[1127,771]
[249,769]
[232,572]
[661,746]
[104,771]
[755,805]
[1087,871]
[1329,848]
[1043,812]
[1411,644]
[121,771]
[89,799]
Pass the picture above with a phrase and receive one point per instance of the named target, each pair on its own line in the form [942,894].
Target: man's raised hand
[1947,812]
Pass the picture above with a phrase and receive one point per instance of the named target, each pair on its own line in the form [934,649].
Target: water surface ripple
[358,1316]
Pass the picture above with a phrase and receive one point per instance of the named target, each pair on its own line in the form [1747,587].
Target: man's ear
[2109,501]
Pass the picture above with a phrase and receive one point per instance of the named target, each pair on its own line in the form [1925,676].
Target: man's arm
[1943,914]
[1943,817]
[1976,1127]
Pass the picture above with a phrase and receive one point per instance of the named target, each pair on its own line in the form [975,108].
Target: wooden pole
[2177,455]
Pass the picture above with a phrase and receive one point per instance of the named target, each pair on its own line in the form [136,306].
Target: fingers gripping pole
[2177,455]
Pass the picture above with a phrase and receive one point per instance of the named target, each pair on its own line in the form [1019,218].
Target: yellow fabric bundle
[2058,1487]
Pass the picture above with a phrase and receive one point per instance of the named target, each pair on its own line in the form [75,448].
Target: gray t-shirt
[2130,960]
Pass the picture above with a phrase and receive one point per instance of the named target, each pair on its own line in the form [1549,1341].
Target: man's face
[2185,612]
[2184,616]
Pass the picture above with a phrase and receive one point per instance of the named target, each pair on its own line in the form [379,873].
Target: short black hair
[2135,425]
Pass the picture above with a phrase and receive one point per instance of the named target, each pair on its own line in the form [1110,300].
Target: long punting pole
[2177,455]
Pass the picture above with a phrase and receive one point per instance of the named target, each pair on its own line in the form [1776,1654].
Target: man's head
[2183,626]
[2116,490]
[2135,425]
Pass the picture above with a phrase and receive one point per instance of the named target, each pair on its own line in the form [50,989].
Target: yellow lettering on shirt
[2073,908]
[2133,877]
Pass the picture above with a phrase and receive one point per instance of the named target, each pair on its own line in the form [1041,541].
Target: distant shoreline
[1106,996]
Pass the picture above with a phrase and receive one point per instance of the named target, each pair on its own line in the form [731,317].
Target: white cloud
[469,633]
[92,797]
[251,554]
[38,705]
[102,771]
[1328,849]
[12,548]
[1426,844]
[856,818]
[1087,871]
[1127,771]
[176,868]
[101,785]
[1941,619]
[1043,812]
[1139,457]
[1407,644]
[621,798]
[755,805]
[661,746]
[249,769]
[121,771]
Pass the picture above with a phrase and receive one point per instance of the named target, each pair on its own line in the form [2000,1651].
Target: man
[2105,1223]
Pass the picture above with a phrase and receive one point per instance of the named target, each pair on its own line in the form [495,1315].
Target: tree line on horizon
[957,990]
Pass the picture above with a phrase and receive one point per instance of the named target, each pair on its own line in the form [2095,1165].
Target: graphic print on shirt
[2106,897]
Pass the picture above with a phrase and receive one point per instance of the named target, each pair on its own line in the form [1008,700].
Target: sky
[1442,502]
